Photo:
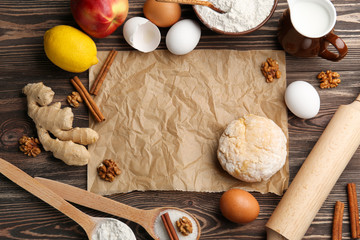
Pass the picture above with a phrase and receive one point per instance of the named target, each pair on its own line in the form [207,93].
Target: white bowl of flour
[240,17]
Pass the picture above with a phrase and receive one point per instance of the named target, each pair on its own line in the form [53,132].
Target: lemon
[70,49]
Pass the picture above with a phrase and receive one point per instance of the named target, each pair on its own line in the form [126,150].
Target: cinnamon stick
[102,74]
[353,211]
[93,108]
[169,226]
[338,221]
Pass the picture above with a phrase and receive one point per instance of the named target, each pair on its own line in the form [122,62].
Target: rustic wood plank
[22,60]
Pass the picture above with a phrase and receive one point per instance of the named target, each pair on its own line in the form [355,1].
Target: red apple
[99,18]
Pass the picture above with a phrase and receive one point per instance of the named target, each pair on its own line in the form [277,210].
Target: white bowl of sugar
[240,17]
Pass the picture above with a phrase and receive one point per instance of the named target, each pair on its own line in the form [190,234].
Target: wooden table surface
[22,60]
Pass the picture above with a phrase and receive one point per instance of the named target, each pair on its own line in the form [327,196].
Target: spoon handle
[194,2]
[97,202]
[190,2]
[39,190]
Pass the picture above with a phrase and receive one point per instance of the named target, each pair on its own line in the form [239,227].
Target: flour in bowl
[240,16]
[112,229]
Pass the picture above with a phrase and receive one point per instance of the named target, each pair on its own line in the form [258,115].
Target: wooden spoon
[195,2]
[145,218]
[88,223]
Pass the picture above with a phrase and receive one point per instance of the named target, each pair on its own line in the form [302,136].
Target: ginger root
[68,151]
[59,122]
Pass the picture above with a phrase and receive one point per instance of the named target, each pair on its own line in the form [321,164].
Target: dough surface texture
[252,148]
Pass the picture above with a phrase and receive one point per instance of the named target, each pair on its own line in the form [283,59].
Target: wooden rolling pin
[317,176]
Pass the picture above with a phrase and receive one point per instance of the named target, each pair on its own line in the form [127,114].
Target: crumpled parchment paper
[165,113]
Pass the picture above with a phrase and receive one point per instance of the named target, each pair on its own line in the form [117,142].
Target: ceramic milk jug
[307,28]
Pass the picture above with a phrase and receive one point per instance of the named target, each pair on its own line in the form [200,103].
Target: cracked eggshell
[183,37]
[141,34]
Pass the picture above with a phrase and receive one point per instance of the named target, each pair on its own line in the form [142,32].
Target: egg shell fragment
[183,37]
[302,99]
[141,34]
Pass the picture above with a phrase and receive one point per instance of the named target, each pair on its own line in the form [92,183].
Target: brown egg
[162,14]
[239,206]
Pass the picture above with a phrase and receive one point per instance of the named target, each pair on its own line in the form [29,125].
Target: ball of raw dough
[252,148]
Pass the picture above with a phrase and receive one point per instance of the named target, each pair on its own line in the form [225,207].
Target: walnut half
[108,170]
[29,146]
[270,70]
[184,226]
[329,79]
[74,99]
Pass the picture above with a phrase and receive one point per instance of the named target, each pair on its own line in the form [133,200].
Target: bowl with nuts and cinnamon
[240,17]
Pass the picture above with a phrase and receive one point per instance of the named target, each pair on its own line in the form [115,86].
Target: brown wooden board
[22,60]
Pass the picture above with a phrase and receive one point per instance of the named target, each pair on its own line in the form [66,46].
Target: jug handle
[338,43]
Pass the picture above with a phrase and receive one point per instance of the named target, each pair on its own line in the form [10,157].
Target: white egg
[302,99]
[183,37]
[141,34]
